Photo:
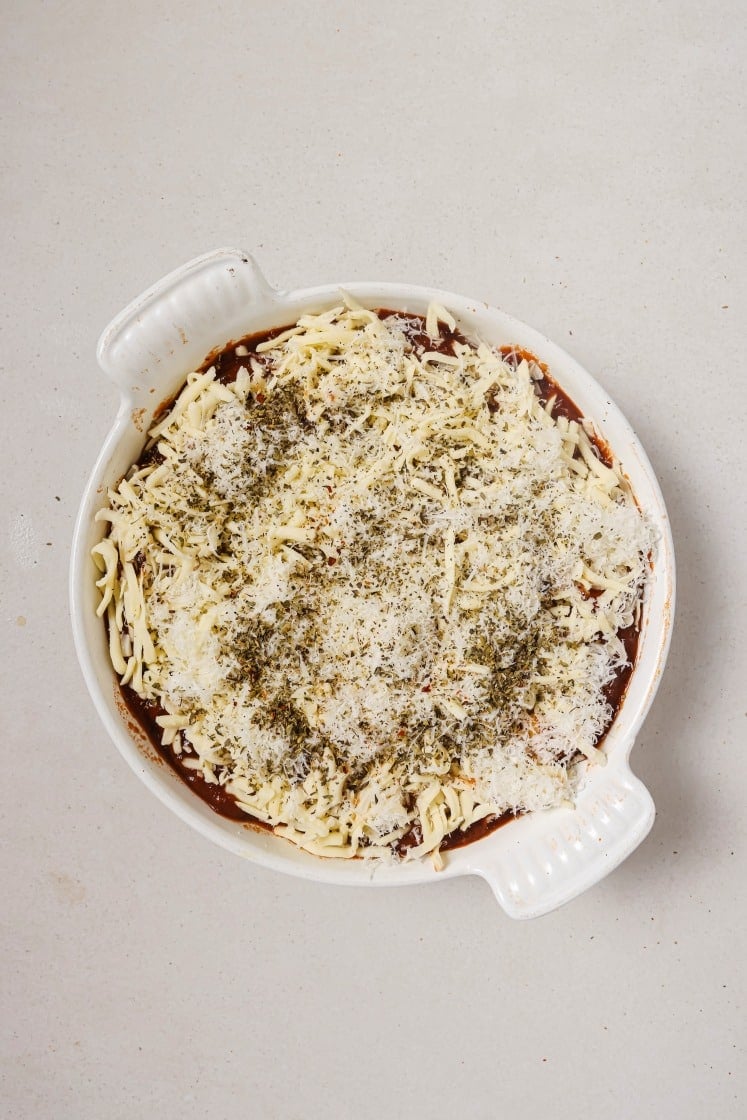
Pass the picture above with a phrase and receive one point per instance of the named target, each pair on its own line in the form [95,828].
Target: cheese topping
[373,584]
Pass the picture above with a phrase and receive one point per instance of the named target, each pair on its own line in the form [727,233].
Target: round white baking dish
[537,862]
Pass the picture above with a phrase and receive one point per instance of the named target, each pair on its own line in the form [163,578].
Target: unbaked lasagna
[374,584]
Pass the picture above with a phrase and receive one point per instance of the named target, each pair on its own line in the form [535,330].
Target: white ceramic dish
[536,863]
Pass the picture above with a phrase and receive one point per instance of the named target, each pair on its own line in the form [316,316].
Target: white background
[581,165]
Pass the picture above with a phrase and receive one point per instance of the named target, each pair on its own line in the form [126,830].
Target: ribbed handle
[574,849]
[171,328]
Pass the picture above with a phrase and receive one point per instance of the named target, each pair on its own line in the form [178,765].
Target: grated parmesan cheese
[373,584]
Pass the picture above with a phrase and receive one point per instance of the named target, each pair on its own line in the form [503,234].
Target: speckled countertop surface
[581,166]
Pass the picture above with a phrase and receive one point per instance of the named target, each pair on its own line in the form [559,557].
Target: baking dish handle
[174,325]
[574,850]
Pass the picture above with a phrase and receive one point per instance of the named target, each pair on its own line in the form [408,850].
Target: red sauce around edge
[227,365]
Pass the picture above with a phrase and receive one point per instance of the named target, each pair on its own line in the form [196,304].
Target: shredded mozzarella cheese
[373,584]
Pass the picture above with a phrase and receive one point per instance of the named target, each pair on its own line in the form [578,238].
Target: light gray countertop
[583,167]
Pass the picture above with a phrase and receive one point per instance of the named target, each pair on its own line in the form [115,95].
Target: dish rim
[533,869]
